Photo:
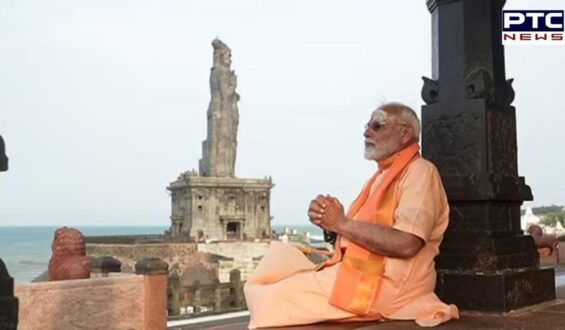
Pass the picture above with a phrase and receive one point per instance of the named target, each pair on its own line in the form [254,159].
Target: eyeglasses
[376,126]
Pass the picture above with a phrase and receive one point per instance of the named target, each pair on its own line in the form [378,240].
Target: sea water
[26,250]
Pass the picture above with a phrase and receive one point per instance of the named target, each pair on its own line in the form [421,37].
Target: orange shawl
[358,277]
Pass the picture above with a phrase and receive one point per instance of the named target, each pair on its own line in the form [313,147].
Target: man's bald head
[402,115]
[392,127]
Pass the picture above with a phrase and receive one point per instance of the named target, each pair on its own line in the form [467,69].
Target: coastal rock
[69,260]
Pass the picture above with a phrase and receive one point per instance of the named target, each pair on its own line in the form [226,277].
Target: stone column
[175,291]
[469,133]
[102,266]
[218,303]
[196,297]
[8,303]
[155,272]
[237,286]
[3,157]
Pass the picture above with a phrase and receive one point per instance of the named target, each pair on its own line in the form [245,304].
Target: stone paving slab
[547,316]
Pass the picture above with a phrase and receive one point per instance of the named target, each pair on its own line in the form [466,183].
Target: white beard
[382,151]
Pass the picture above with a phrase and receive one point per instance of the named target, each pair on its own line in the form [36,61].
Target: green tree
[552,218]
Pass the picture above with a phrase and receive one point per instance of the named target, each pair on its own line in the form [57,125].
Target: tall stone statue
[220,147]
[214,204]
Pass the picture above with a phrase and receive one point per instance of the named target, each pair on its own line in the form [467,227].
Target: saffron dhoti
[287,289]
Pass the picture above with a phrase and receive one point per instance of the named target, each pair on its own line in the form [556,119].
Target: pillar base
[8,303]
[8,313]
[497,292]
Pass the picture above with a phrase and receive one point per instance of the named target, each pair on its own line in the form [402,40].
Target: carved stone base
[498,291]
[487,254]
[8,313]
[8,303]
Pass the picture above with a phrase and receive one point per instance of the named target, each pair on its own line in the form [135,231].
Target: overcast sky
[103,103]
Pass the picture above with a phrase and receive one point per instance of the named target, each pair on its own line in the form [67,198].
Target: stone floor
[541,317]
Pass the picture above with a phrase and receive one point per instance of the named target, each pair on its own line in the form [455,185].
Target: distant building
[528,219]
[212,204]
[559,227]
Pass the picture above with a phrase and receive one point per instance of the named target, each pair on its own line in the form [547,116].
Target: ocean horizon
[26,250]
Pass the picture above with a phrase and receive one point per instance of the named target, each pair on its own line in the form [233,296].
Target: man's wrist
[343,226]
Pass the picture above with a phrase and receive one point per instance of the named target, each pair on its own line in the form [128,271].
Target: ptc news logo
[532,27]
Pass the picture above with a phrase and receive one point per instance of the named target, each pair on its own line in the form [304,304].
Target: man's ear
[406,135]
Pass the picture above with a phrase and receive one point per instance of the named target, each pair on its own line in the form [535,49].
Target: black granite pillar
[469,132]
[8,303]
[3,157]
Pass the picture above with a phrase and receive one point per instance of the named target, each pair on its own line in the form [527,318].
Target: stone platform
[545,316]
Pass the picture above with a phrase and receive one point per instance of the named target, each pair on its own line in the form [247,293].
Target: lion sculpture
[69,260]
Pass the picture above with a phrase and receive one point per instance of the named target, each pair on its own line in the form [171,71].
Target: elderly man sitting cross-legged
[383,266]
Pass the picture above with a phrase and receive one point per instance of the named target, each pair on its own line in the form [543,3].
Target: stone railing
[199,300]
[108,300]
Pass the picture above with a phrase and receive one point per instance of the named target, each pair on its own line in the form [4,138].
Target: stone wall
[245,256]
[212,260]
[128,239]
[115,302]
[234,249]
[175,254]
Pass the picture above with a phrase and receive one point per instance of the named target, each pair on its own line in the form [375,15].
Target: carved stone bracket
[430,90]
[509,92]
